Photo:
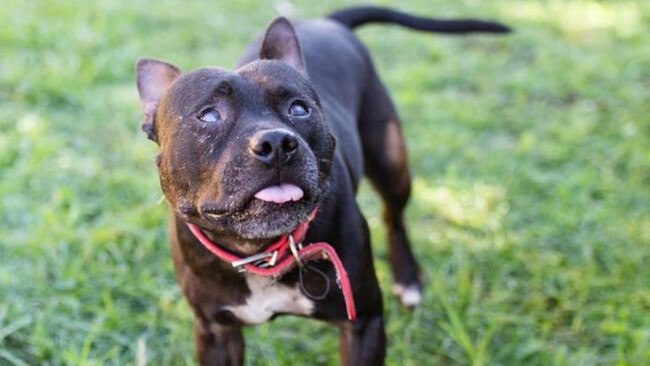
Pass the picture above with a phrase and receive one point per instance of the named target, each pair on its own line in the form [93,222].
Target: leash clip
[294,250]
[259,260]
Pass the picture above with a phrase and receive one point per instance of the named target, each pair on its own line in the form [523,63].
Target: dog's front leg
[218,345]
[363,341]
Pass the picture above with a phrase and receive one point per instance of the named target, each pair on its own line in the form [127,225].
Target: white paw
[410,296]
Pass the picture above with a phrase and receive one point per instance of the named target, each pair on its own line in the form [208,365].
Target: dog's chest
[267,298]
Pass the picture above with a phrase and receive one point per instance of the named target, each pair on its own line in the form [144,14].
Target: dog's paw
[409,295]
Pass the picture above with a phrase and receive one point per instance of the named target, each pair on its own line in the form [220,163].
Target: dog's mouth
[277,195]
[267,212]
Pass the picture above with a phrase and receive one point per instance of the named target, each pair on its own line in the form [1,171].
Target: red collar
[280,257]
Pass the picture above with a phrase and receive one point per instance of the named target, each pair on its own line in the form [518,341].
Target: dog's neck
[239,245]
[247,247]
[193,254]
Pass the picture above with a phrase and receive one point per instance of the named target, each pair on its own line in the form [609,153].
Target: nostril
[263,148]
[290,144]
[271,147]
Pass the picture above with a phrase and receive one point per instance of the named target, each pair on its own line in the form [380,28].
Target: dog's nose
[274,146]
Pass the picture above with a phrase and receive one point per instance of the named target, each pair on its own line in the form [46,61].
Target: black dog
[260,163]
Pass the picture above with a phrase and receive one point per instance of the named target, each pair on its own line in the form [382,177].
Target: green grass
[530,157]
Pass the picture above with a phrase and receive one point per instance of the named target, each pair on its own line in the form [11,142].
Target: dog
[260,166]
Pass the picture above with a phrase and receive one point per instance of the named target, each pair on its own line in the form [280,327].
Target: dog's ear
[153,77]
[281,43]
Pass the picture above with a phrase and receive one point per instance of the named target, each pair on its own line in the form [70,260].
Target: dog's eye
[210,115]
[298,109]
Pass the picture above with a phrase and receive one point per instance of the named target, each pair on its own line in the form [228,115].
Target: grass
[530,158]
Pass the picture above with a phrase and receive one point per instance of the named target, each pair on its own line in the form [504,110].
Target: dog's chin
[264,220]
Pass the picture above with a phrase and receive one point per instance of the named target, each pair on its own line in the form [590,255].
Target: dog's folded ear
[153,77]
[281,43]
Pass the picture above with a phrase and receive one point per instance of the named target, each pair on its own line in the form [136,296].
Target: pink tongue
[280,194]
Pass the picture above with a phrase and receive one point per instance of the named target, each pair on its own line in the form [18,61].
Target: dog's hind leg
[387,168]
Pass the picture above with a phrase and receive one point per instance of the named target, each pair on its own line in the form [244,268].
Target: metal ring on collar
[294,251]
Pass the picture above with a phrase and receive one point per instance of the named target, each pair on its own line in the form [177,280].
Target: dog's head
[244,152]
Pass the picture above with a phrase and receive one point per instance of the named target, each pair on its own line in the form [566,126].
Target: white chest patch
[268,298]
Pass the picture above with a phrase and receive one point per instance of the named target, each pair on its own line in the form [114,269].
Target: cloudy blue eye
[210,115]
[298,109]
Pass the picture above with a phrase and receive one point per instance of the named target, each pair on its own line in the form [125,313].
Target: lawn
[530,157]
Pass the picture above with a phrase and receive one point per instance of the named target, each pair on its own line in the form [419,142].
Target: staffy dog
[260,166]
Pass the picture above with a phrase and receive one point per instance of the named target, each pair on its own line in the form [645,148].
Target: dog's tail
[357,16]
